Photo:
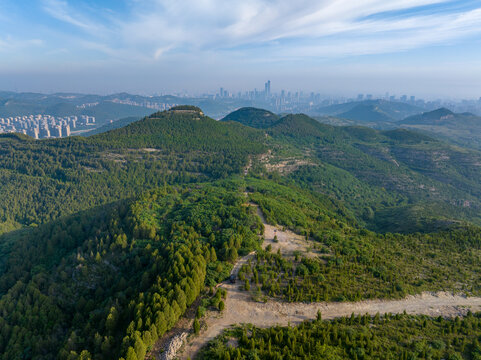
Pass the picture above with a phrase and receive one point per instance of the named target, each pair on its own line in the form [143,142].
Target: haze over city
[427,48]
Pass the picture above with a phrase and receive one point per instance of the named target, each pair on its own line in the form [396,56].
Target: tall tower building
[268,88]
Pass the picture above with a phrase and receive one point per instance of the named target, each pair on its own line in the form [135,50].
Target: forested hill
[107,283]
[253,117]
[43,180]
[396,180]
[182,130]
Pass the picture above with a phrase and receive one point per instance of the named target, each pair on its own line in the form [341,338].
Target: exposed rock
[173,346]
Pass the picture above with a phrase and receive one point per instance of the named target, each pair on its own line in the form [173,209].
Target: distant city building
[44,132]
[56,131]
[267,87]
[66,130]
[33,132]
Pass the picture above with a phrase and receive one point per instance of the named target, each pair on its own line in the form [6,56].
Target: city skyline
[428,48]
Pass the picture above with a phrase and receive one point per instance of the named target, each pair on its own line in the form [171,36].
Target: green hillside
[112,125]
[122,275]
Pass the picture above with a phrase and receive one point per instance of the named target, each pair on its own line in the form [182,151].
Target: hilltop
[437,116]
[257,118]
[367,113]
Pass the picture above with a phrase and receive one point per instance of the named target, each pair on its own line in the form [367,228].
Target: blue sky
[423,47]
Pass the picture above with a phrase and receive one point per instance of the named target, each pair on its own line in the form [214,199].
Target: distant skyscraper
[221,92]
[360,97]
[268,88]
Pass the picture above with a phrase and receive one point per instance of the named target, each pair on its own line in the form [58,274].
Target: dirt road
[240,308]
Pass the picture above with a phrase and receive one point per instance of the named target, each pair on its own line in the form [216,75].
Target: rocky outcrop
[173,346]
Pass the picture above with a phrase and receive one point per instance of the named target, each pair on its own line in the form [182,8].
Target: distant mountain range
[109,107]
[462,129]
[370,110]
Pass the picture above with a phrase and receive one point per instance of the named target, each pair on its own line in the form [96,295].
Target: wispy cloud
[9,43]
[65,12]
[217,24]
[151,30]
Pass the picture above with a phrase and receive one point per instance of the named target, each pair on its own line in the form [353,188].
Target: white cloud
[317,28]
[219,24]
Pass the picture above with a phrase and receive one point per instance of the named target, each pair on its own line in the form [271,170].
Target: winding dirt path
[240,308]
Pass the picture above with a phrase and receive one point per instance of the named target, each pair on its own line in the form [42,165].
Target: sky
[428,48]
